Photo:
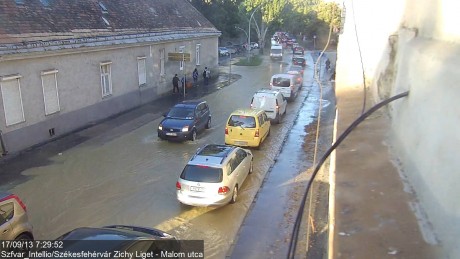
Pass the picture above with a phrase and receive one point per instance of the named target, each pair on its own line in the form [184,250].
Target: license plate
[242,143]
[171,134]
[196,189]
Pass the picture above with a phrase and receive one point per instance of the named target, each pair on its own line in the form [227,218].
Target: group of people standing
[206,76]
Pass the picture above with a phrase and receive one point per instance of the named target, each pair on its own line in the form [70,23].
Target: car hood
[176,123]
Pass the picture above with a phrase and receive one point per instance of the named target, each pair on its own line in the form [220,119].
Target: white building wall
[414,45]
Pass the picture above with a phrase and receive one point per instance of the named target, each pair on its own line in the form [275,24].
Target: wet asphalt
[119,172]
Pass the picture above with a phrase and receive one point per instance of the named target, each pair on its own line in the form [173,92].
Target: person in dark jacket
[195,77]
[175,82]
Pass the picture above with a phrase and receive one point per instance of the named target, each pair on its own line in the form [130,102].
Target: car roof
[246,112]
[110,233]
[189,104]
[211,154]
[283,75]
[266,91]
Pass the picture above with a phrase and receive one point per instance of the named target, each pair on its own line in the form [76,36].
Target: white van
[287,84]
[272,102]
[276,52]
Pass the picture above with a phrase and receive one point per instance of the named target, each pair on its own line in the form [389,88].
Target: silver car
[14,223]
[214,175]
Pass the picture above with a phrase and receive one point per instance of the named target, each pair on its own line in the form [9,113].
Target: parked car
[298,50]
[254,45]
[296,68]
[247,128]
[299,60]
[223,51]
[231,50]
[287,84]
[272,102]
[14,222]
[121,238]
[240,48]
[214,175]
[185,120]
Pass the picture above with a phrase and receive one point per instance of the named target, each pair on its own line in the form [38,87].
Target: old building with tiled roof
[67,63]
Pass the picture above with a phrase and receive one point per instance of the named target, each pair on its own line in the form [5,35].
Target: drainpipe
[4,152]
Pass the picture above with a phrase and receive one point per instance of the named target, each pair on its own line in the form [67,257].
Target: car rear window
[199,173]
[242,121]
[281,81]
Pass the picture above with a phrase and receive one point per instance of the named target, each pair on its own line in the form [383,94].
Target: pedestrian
[195,77]
[328,64]
[175,82]
[205,76]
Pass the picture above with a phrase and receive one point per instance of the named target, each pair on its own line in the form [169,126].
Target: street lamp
[314,42]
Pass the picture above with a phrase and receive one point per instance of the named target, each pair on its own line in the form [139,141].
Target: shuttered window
[50,92]
[162,62]
[106,79]
[197,54]
[12,99]
[141,71]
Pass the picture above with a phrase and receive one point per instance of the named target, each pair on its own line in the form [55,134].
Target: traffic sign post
[181,57]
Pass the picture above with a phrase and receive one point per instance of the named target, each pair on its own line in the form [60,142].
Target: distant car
[298,68]
[287,84]
[231,50]
[272,102]
[299,60]
[14,222]
[223,51]
[185,120]
[214,175]
[298,50]
[254,45]
[239,48]
[247,128]
[120,238]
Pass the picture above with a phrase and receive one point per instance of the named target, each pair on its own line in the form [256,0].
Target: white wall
[424,59]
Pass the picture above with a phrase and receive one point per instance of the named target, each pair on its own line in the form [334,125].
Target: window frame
[142,60]
[109,74]
[48,73]
[197,54]
[17,78]
[162,61]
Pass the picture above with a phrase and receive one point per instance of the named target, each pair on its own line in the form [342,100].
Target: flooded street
[127,175]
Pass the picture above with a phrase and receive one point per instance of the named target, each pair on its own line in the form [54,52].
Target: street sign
[177,56]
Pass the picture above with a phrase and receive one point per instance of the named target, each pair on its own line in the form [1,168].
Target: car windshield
[242,121]
[202,174]
[276,51]
[181,113]
[281,81]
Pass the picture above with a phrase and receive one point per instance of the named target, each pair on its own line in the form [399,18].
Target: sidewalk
[374,215]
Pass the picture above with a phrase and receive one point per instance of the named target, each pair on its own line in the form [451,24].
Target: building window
[141,71]
[162,62]
[197,54]
[106,78]
[181,63]
[50,91]
[12,99]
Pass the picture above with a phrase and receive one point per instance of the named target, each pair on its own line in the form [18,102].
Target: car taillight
[223,190]
[18,200]
[226,131]
[256,134]
[178,186]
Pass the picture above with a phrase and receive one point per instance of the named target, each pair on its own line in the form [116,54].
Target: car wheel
[193,136]
[234,194]
[22,237]
[251,166]
[278,118]
[208,124]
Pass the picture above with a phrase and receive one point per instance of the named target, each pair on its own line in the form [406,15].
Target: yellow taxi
[247,128]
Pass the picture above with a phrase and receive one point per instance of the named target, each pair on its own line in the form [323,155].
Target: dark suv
[185,120]
[299,60]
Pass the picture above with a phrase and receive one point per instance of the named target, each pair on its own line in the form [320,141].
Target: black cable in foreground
[295,231]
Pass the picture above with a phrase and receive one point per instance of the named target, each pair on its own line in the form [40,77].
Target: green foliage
[253,61]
